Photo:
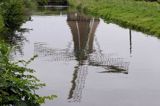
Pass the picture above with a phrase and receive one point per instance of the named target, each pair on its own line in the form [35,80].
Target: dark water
[87,62]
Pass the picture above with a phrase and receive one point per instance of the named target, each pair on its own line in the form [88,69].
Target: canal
[86,61]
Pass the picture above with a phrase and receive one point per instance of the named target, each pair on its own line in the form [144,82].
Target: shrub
[13,13]
[1,23]
[31,4]
[17,84]
[42,2]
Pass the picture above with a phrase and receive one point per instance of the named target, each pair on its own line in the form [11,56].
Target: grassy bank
[139,15]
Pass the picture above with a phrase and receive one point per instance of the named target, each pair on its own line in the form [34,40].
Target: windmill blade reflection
[86,51]
[111,63]
[83,30]
[41,49]
[96,59]
[78,83]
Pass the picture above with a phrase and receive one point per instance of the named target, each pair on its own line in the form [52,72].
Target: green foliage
[13,13]
[17,84]
[139,15]
[42,2]
[30,4]
[1,22]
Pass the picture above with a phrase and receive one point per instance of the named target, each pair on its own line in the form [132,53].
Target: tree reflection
[15,38]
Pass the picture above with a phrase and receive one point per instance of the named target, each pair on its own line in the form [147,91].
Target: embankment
[138,15]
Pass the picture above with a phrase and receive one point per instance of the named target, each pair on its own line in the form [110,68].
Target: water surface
[87,62]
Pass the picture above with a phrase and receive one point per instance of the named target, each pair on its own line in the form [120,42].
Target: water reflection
[130,40]
[15,39]
[41,49]
[52,10]
[83,30]
[86,51]
[78,83]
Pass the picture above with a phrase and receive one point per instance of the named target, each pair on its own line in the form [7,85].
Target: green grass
[139,15]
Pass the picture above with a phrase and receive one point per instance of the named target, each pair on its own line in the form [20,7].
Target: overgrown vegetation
[13,13]
[139,15]
[42,2]
[1,23]
[17,84]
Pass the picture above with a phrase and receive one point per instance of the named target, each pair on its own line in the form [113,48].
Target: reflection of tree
[57,2]
[47,10]
[86,51]
[16,39]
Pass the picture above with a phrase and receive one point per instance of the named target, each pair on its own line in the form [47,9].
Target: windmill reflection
[83,30]
[86,51]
